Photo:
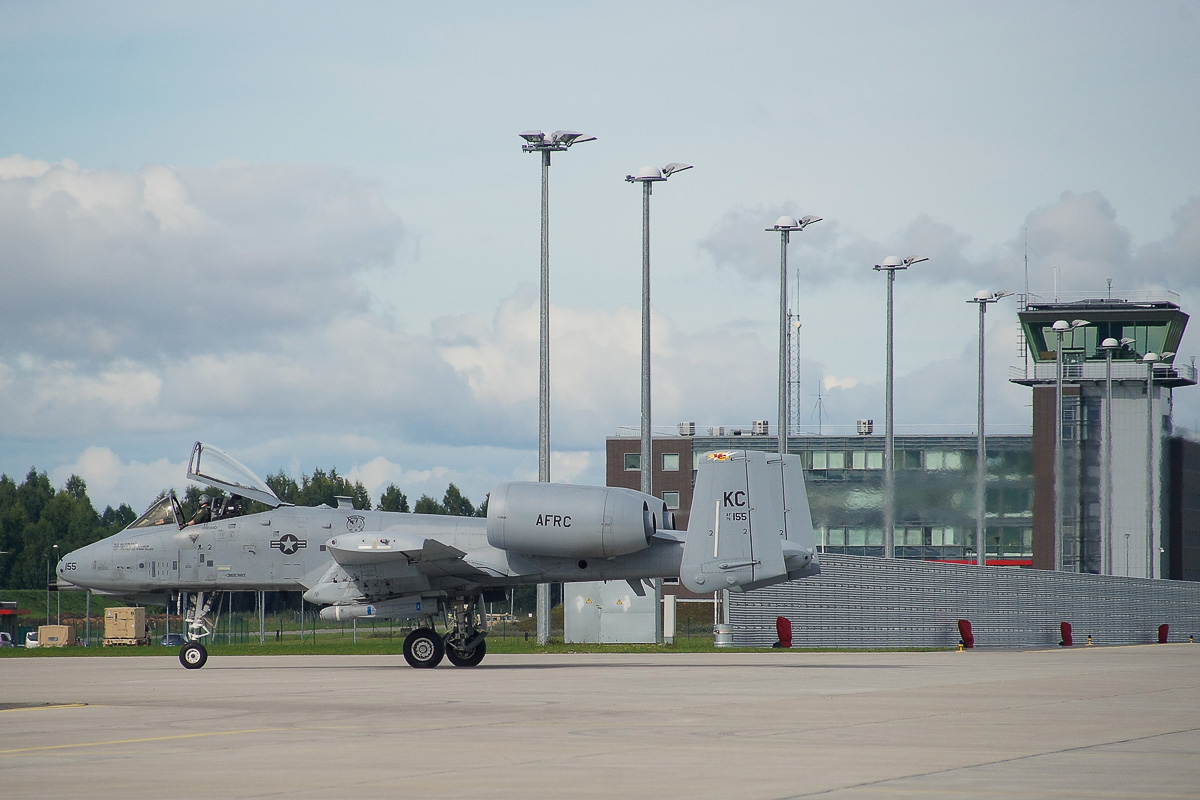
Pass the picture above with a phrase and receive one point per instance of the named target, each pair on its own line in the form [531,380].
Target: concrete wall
[860,601]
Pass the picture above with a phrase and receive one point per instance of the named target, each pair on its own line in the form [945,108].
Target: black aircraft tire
[472,658]
[423,648]
[193,655]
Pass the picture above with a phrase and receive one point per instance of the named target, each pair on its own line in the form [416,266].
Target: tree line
[34,516]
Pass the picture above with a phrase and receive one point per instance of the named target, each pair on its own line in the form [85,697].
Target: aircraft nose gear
[465,645]
[423,648]
[193,655]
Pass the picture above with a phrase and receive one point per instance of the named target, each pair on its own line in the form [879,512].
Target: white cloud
[112,481]
[238,317]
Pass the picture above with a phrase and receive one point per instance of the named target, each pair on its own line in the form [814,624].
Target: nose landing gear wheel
[423,648]
[193,655]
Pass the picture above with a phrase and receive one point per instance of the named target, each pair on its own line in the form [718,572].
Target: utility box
[55,635]
[125,626]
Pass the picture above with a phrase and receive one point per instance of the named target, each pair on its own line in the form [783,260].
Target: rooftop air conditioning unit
[719,430]
[687,429]
[761,427]
[866,427]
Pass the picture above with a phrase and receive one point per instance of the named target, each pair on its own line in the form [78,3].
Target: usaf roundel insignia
[288,544]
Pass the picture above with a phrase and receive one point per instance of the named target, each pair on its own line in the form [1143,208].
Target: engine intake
[558,519]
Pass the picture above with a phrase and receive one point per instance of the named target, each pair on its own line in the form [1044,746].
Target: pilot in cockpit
[204,513]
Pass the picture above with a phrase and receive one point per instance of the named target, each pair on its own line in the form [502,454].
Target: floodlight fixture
[536,141]
[654,174]
[788,224]
[893,263]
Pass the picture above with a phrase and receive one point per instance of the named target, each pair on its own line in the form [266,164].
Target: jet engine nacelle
[567,521]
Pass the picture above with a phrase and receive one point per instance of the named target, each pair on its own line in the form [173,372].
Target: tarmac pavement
[1085,722]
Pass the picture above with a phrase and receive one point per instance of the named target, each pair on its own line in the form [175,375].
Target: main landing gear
[463,643]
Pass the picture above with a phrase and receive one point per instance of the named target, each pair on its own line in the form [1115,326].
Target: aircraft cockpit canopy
[164,511]
[214,467]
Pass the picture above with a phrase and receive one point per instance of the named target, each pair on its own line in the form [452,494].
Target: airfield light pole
[1109,346]
[1150,359]
[784,226]
[51,556]
[647,177]
[890,265]
[982,299]
[538,142]
[1060,327]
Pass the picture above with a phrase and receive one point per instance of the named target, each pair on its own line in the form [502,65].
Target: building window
[633,462]
[670,462]
[874,459]
[671,499]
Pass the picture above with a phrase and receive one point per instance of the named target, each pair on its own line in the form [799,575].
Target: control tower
[1114,377]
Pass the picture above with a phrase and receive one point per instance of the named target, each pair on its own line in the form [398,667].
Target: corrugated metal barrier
[860,601]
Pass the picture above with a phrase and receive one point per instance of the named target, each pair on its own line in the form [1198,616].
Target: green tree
[393,499]
[482,510]
[284,487]
[455,504]
[116,520]
[427,505]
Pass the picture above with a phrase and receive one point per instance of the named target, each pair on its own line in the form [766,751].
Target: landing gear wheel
[469,658]
[423,648]
[193,655]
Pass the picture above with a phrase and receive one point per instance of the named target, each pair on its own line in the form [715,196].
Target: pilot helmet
[205,499]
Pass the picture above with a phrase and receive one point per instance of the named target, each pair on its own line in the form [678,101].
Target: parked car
[172,640]
[6,639]
[31,639]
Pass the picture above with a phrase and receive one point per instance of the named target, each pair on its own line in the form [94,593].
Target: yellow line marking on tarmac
[138,741]
[43,708]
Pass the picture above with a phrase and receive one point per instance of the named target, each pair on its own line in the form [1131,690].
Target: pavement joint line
[144,740]
[997,762]
[52,707]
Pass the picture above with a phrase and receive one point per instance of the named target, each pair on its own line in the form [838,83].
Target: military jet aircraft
[750,527]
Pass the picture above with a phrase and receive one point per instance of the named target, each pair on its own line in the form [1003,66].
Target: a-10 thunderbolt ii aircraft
[750,526]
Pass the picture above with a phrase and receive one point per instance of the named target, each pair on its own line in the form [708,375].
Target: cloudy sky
[306,232]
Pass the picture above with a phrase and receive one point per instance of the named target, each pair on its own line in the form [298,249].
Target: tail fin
[750,524]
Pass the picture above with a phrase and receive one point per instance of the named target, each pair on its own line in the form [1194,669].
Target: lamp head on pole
[655,174]
[786,224]
[983,297]
[893,263]
[536,141]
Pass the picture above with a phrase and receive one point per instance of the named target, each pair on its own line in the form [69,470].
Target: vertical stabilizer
[750,524]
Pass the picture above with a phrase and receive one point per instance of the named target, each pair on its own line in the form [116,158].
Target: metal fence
[860,601]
